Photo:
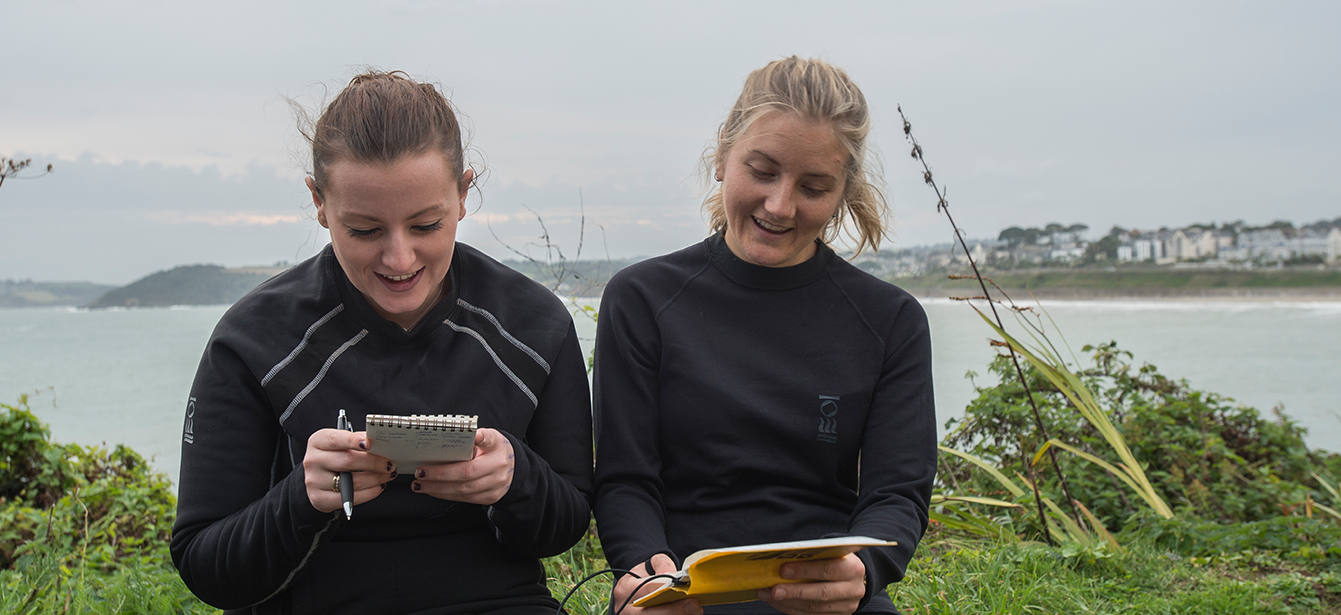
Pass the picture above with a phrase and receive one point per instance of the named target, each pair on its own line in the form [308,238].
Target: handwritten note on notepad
[418,440]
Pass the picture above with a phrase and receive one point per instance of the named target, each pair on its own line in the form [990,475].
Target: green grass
[983,577]
[43,586]
[1158,571]
[952,574]
[566,570]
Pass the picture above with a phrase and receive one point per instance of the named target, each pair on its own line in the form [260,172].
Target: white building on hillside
[1193,243]
[1308,242]
[1269,244]
[1147,246]
[1262,244]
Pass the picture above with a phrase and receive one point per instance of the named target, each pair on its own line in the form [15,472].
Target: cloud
[116,221]
[217,218]
[1140,114]
[89,182]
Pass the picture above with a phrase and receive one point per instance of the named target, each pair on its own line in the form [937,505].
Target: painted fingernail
[394,475]
[416,487]
[420,474]
[390,467]
[363,445]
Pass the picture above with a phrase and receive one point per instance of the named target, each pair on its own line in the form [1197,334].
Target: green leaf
[938,499]
[1075,390]
[978,461]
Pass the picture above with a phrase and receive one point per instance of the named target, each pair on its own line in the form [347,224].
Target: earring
[719,175]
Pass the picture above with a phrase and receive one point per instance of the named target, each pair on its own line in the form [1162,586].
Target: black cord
[614,571]
[611,603]
[635,591]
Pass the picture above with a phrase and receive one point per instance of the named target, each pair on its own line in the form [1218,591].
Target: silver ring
[335,483]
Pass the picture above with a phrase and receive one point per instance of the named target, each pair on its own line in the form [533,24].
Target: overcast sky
[173,144]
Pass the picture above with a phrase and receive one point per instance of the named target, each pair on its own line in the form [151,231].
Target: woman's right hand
[661,564]
[332,451]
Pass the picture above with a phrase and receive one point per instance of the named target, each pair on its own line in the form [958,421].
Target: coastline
[1227,295]
[1304,294]
[1139,283]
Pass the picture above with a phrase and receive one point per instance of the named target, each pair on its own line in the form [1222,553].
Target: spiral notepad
[421,439]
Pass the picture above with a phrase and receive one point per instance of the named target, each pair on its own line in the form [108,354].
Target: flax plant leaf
[1079,395]
[1010,485]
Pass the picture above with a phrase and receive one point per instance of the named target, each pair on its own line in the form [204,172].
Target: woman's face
[782,182]
[393,228]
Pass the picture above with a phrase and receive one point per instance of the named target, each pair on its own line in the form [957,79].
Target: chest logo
[188,432]
[828,419]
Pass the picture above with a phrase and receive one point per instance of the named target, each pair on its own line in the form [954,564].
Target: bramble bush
[1208,457]
[107,506]
[82,527]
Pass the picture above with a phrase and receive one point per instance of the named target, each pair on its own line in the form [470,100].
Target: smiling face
[393,229]
[782,182]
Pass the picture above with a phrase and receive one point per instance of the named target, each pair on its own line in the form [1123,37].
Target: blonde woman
[758,388]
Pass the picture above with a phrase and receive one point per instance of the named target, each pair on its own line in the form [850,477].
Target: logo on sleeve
[189,433]
[828,419]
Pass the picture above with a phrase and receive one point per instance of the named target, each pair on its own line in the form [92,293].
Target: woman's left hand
[482,480]
[836,586]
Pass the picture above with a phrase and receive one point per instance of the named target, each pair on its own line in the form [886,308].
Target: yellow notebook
[736,574]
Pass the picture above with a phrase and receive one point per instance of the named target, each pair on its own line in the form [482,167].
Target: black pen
[346,478]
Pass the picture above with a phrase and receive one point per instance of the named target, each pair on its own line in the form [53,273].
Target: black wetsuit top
[738,404]
[287,357]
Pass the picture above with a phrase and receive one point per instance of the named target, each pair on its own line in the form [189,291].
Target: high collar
[362,313]
[766,278]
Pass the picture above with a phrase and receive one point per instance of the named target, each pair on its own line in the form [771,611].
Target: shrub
[103,506]
[1207,457]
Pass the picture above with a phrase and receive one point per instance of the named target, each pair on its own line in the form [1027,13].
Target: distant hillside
[49,294]
[185,285]
[215,285]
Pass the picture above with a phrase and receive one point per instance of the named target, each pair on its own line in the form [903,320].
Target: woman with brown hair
[393,317]
[757,388]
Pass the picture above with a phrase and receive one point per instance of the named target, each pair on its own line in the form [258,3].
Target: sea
[103,377]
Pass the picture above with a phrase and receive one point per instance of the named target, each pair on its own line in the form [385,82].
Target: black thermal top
[287,357]
[738,404]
